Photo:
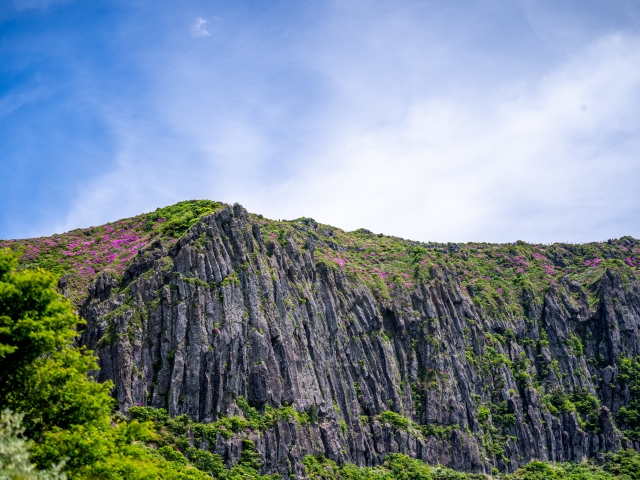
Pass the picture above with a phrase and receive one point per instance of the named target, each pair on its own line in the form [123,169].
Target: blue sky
[436,121]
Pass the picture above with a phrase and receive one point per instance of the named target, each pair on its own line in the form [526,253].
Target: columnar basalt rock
[224,313]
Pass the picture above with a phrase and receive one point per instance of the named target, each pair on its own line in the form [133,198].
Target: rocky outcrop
[224,313]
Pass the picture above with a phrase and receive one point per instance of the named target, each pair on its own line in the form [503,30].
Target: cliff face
[227,312]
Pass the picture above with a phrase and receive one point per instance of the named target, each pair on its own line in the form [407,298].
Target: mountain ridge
[473,356]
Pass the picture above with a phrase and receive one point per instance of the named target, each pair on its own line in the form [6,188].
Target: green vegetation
[395,467]
[64,415]
[169,430]
[624,465]
[14,456]
[176,219]
[629,416]
[504,278]
[82,253]
[63,427]
[580,401]
[394,419]
[171,440]
[59,419]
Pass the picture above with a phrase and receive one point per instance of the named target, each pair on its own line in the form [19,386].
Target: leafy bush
[146,414]
[545,471]
[501,415]
[560,401]
[172,455]
[179,217]
[630,415]
[394,419]
[625,462]
[406,468]
[483,413]
[206,461]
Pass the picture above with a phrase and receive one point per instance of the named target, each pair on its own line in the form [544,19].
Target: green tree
[42,375]
[406,468]
[34,320]
[66,413]
[14,457]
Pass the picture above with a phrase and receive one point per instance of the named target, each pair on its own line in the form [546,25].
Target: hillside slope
[473,356]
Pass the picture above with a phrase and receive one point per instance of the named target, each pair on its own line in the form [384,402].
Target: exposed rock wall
[290,332]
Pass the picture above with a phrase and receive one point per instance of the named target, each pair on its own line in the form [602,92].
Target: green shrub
[179,217]
[625,462]
[394,419]
[172,455]
[483,413]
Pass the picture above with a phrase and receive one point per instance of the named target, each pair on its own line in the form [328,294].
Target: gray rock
[288,332]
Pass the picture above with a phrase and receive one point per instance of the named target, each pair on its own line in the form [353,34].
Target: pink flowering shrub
[82,253]
[491,271]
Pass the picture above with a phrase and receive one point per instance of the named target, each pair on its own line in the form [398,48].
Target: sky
[456,121]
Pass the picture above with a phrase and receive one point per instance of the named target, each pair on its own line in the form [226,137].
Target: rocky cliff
[434,361]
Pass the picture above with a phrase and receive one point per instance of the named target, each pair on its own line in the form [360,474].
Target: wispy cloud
[411,118]
[18,97]
[198,30]
[527,162]
[524,162]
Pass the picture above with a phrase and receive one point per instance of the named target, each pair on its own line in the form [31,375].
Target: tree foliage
[34,320]
[66,413]
[14,457]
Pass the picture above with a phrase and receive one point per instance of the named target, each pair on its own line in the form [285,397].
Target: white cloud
[198,30]
[500,160]
[528,162]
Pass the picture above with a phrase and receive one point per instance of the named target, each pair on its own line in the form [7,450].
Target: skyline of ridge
[427,241]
